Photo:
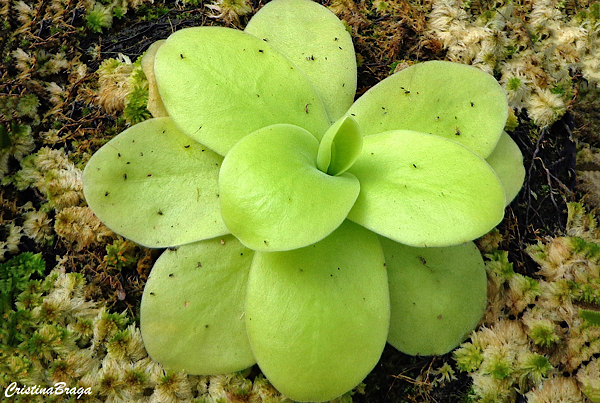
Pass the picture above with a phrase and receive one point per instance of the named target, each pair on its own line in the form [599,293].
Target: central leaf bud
[275,198]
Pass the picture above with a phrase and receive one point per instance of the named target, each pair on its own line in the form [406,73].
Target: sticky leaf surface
[314,39]
[437,295]
[424,190]
[273,196]
[220,84]
[317,317]
[155,186]
[192,312]
[452,100]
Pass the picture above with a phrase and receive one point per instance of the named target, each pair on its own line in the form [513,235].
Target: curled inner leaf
[273,196]
[340,146]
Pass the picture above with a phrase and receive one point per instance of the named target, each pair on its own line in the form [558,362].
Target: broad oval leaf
[155,186]
[192,311]
[437,295]
[424,190]
[272,195]
[452,100]
[317,317]
[220,84]
[340,147]
[314,39]
[507,161]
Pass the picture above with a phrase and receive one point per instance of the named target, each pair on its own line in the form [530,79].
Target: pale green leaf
[317,317]
[273,196]
[452,100]
[340,146]
[220,84]
[437,296]
[155,104]
[425,190]
[192,311]
[507,161]
[155,186]
[314,39]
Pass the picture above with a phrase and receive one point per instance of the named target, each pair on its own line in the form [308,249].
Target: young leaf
[219,85]
[507,161]
[155,104]
[340,147]
[314,39]
[155,186]
[452,100]
[192,312]
[317,317]
[437,295]
[273,196]
[425,190]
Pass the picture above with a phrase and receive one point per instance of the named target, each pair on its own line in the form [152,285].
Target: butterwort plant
[304,230]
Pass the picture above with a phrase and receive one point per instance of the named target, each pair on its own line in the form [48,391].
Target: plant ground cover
[57,108]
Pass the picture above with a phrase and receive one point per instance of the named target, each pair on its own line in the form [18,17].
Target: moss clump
[541,335]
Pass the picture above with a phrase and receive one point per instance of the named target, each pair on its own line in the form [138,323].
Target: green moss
[15,277]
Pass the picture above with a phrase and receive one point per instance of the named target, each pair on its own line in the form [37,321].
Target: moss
[549,325]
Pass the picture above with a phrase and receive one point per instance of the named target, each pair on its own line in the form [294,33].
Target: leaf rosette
[310,229]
